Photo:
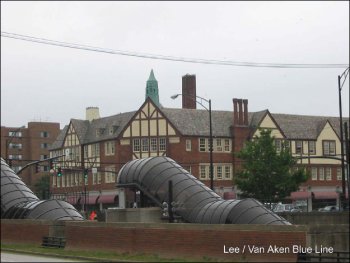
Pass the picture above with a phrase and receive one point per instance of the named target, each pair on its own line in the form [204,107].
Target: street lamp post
[211,168]
[340,86]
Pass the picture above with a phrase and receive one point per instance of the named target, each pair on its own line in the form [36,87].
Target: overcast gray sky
[50,83]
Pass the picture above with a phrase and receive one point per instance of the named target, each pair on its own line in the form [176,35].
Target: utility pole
[340,86]
[347,155]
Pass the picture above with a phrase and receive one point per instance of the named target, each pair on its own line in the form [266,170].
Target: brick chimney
[189,89]
[235,111]
[240,112]
[245,112]
[240,130]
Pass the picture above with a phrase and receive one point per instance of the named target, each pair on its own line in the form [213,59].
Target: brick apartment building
[104,145]
[21,145]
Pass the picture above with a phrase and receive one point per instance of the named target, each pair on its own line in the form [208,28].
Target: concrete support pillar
[309,204]
[122,199]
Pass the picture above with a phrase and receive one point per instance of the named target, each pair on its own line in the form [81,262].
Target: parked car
[287,208]
[330,208]
[270,206]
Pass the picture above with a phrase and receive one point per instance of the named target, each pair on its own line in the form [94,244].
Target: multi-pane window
[136,145]
[68,179]
[286,145]
[222,171]
[312,147]
[109,148]
[162,144]
[188,168]
[328,174]
[218,145]
[145,144]
[154,145]
[95,151]
[219,172]
[94,178]
[202,144]
[149,144]
[44,134]
[44,145]
[15,156]
[203,172]
[321,174]
[54,178]
[43,156]
[99,178]
[298,147]
[63,178]
[188,145]
[58,182]
[328,147]
[227,145]
[339,175]
[110,174]
[278,144]
[15,145]
[86,151]
[80,177]
[228,172]
[73,179]
[313,173]
[15,134]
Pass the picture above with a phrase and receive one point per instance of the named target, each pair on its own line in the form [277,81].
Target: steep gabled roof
[303,126]
[115,122]
[257,118]
[58,143]
[80,127]
[194,122]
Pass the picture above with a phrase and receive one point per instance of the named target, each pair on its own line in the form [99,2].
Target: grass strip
[90,255]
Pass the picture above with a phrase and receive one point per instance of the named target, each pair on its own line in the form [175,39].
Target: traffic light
[86,172]
[59,171]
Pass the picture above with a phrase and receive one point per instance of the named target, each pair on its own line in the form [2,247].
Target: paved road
[12,257]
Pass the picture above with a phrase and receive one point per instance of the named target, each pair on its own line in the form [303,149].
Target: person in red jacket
[93,215]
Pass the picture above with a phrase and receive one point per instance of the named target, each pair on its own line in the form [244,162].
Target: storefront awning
[106,199]
[90,200]
[326,195]
[300,195]
[73,199]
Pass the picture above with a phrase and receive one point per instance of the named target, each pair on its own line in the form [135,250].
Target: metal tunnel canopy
[19,202]
[193,200]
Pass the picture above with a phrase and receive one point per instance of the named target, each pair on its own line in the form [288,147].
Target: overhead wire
[164,57]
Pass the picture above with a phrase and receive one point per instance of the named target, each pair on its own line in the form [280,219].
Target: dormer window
[113,129]
[100,131]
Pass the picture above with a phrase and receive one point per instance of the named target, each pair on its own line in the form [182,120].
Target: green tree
[266,173]
[42,187]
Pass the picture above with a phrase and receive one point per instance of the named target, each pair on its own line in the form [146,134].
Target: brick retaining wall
[24,230]
[166,240]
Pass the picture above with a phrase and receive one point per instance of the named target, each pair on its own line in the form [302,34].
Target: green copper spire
[152,88]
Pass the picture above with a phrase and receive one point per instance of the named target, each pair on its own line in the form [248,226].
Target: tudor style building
[104,145]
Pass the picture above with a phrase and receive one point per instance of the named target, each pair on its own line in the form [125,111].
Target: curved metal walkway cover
[194,201]
[19,202]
